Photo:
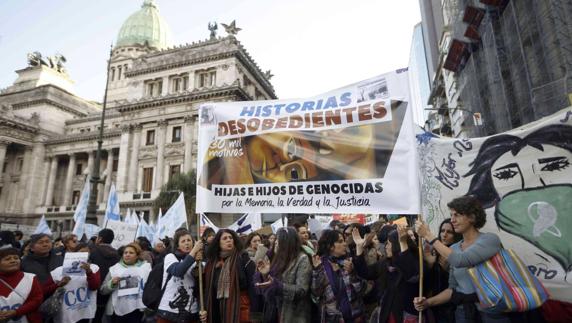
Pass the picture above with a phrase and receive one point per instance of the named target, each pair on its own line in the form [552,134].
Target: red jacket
[34,300]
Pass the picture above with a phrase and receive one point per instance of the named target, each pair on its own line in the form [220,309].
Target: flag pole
[200,264]
[420,251]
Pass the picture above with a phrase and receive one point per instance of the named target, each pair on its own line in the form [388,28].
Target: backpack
[154,287]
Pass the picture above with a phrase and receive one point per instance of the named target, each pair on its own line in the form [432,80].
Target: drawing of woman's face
[531,167]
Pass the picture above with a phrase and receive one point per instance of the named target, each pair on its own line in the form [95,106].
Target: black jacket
[42,266]
[104,256]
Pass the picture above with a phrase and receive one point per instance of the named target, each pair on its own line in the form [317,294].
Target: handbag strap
[11,288]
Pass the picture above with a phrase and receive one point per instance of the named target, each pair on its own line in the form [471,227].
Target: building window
[176,134]
[147,184]
[150,138]
[20,164]
[207,79]
[174,170]
[179,83]
[78,169]
[113,74]
[115,165]
[154,88]
[75,197]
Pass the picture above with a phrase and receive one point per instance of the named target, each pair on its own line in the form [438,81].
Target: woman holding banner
[467,217]
[335,285]
[228,277]
[125,282]
[80,301]
[285,282]
[399,273]
[179,303]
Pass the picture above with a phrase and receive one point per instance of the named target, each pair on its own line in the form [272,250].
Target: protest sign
[124,233]
[72,262]
[348,151]
[129,283]
[523,179]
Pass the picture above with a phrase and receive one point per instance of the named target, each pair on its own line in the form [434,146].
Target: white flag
[132,218]
[43,226]
[175,217]
[247,223]
[112,210]
[127,215]
[81,210]
[145,230]
[278,224]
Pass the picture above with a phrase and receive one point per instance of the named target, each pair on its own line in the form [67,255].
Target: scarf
[228,259]
[338,286]
[226,285]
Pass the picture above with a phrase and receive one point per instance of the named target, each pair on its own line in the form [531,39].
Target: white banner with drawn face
[350,150]
[523,178]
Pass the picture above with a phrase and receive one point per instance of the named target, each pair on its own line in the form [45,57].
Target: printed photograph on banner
[523,179]
[128,285]
[72,263]
[329,153]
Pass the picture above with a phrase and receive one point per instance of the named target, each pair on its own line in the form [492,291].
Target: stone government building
[48,134]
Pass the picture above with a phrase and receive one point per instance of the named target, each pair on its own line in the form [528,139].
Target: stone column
[89,168]
[51,182]
[22,185]
[34,184]
[133,164]
[189,135]
[160,152]
[123,159]
[109,171]
[3,148]
[69,181]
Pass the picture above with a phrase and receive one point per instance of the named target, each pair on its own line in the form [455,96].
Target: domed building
[48,134]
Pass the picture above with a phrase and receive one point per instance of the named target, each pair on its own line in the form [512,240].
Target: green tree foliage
[185,183]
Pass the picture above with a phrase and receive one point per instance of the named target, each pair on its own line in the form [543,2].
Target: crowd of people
[352,273]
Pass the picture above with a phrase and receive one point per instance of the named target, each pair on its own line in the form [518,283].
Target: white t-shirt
[79,302]
[17,297]
[179,291]
[133,276]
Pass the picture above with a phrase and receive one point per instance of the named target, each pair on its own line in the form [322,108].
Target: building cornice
[23,105]
[189,96]
[95,117]
[83,137]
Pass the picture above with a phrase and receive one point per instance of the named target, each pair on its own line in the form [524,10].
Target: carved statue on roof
[55,62]
[213,28]
[268,75]
[231,29]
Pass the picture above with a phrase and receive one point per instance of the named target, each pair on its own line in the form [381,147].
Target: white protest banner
[348,151]
[124,233]
[72,262]
[27,230]
[523,179]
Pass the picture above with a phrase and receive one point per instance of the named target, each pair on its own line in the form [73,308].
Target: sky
[311,46]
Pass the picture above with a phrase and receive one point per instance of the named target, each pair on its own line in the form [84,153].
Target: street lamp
[91,216]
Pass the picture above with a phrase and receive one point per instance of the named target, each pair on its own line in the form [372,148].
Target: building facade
[503,63]
[48,134]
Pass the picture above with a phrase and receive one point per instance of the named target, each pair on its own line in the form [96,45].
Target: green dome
[145,26]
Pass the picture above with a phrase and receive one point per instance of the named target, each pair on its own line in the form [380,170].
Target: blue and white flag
[175,217]
[81,210]
[145,230]
[247,223]
[112,210]
[206,223]
[132,218]
[157,236]
[43,226]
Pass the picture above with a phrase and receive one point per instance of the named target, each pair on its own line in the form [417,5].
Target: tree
[186,183]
